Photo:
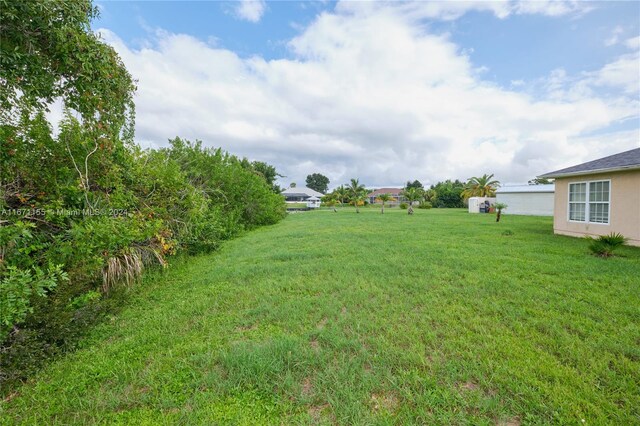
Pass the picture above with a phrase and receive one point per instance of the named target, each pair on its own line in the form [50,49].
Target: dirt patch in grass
[247,327]
[307,387]
[322,323]
[318,412]
[384,401]
[513,421]
[315,345]
[469,386]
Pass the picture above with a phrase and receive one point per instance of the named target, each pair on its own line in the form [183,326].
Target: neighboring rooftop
[380,191]
[509,189]
[627,160]
[301,191]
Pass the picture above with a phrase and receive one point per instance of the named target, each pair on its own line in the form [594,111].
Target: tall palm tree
[356,193]
[481,186]
[412,195]
[384,198]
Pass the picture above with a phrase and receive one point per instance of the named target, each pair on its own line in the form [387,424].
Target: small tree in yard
[341,194]
[384,198]
[330,200]
[357,193]
[499,207]
[412,195]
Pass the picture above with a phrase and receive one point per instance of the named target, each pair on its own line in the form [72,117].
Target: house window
[599,202]
[589,202]
[577,201]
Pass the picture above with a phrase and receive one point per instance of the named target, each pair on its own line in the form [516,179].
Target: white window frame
[587,212]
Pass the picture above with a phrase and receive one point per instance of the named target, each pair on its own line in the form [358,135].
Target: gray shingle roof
[301,191]
[623,161]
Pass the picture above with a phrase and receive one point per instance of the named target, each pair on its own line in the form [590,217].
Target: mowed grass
[344,318]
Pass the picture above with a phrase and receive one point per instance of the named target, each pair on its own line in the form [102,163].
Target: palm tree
[330,200]
[412,195]
[384,198]
[499,207]
[429,195]
[481,186]
[341,194]
[356,193]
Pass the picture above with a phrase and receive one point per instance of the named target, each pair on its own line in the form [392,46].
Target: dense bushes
[83,212]
[77,225]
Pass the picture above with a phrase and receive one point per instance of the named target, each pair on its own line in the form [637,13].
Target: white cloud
[370,95]
[624,73]
[452,10]
[614,38]
[633,43]
[250,10]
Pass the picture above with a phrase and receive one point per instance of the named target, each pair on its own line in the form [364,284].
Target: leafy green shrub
[425,205]
[404,206]
[605,245]
[18,286]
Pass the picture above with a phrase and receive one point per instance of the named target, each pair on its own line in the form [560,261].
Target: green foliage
[356,194]
[412,195]
[49,51]
[448,194]
[540,181]
[269,173]
[425,205]
[481,186]
[605,245]
[404,206]
[384,198]
[499,207]
[84,213]
[318,182]
[415,184]
[18,286]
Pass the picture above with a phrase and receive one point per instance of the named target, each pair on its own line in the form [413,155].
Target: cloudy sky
[386,91]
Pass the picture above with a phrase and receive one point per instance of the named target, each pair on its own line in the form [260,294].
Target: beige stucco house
[599,197]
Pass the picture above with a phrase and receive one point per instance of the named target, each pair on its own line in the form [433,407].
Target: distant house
[534,200]
[299,194]
[394,192]
[599,197]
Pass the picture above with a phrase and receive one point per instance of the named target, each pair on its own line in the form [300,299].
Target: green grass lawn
[344,318]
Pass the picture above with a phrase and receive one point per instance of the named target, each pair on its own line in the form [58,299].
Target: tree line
[446,194]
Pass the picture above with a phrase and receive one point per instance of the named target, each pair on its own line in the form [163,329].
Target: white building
[533,200]
[299,194]
[480,204]
[313,202]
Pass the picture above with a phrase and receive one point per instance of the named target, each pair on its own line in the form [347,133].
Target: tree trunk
[410,210]
[498,215]
[382,208]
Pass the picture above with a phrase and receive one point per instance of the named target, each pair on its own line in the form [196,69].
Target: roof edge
[554,175]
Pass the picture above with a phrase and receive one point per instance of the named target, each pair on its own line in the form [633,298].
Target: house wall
[624,215]
[527,203]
